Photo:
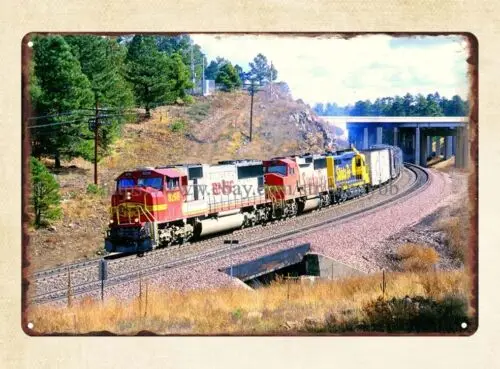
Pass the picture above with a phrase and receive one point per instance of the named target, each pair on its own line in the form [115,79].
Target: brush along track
[54,286]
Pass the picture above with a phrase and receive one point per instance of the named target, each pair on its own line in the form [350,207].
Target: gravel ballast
[356,242]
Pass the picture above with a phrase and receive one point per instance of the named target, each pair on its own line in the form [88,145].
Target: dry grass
[444,165]
[282,307]
[417,258]
[456,229]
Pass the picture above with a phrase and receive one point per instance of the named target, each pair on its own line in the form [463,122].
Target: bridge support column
[378,135]
[423,149]
[365,138]
[448,142]
[416,140]
[458,149]
[438,146]
[395,136]
[428,146]
[462,148]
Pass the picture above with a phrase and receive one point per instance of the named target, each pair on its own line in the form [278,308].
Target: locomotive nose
[135,192]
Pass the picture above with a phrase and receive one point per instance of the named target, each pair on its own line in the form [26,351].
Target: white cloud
[366,67]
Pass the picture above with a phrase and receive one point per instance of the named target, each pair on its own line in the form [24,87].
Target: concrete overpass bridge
[415,135]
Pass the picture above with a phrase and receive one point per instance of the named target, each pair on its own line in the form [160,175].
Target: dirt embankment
[213,128]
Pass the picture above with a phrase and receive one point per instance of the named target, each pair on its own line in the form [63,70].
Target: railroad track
[54,284]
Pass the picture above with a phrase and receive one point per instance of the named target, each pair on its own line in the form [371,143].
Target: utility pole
[96,128]
[192,67]
[252,91]
[94,124]
[203,75]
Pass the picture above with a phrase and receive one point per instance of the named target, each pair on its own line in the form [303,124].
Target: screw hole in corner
[30,325]
[30,44]
[463,325]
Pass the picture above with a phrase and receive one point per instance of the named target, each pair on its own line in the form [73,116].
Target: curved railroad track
[55,284]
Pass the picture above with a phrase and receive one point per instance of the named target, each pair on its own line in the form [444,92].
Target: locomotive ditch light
[111,221]
[136,220]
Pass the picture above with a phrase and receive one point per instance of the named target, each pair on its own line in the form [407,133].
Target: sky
[329,69]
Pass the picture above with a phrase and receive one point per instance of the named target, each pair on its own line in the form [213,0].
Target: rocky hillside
[218,127]
[213,128]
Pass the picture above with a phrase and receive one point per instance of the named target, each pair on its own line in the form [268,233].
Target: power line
[54,124]
[116,112]
[53,115]
[73,121]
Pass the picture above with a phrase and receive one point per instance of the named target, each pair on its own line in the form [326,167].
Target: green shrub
[237,314]
[95,189]
[45,198]
[188,99]
[418,314]
[402,315]
[178,126]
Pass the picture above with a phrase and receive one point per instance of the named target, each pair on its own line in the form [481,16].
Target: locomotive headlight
[129,196]
[111,221]
[136,220]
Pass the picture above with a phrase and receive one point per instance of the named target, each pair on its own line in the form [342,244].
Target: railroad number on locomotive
[173,196]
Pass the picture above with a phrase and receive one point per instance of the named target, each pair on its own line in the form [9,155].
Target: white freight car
[379,165]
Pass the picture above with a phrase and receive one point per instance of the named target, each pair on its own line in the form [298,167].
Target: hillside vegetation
[210,129]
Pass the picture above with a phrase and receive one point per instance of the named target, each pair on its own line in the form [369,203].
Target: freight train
[156,207]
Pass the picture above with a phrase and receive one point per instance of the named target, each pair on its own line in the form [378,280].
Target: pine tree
[187,49]
[147,69]
[457,107]
[409,105]
[273,73]
[60,86]
[178,79]
[213,68]
[228,77]
[421,105]
[44,198]
[262,71]
[102,61]
[240,72]
[432,108]
[173,44]
[319,109]
[361,108]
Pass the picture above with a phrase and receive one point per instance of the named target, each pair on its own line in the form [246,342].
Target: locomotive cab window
[320,163]
[154,182]
[195,172]
[172,183]
[278,169]
[126,183]
[250,171]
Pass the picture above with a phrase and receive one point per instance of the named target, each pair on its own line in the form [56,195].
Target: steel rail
[421,182]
